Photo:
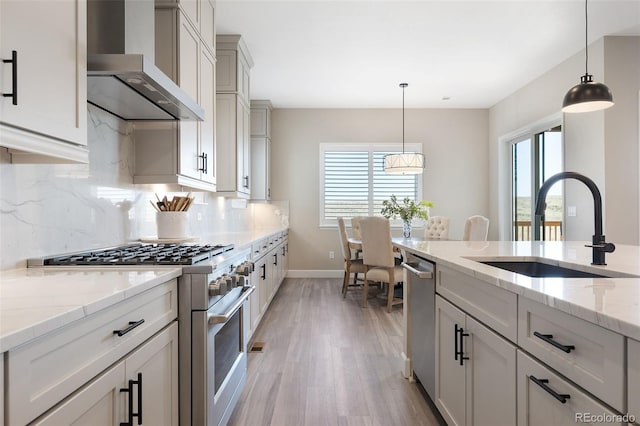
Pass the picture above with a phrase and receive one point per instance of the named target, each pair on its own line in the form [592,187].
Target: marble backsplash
[48,209]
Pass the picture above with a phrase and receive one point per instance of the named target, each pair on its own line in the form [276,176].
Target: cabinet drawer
[537,406]
[596,361]
[495,307]
[633,378]
[42,372]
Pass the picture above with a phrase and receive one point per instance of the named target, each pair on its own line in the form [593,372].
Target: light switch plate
[571,211]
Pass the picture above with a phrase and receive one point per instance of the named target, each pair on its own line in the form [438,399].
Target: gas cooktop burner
[143,254]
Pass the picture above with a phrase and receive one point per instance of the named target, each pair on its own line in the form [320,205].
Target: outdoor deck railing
[552,230]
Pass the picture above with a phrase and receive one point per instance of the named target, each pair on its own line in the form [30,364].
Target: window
[353,181]
[535,158]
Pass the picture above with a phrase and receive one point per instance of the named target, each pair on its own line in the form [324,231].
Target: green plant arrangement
[406,210]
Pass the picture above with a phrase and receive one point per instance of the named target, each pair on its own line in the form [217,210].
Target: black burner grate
[143,254]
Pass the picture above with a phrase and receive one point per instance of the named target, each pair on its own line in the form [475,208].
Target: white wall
[456,177]
[602,145]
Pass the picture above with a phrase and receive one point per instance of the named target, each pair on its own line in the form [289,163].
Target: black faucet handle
[605,247]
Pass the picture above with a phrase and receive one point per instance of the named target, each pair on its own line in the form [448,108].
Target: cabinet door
[51,68]
[207,24]
[260,168]
[263,283]
[633,378]
[450,374]
[242,148]
[538,406]
[98,403]
[207,127]
[189,72]
[491,376]
[157,363]
[226,151]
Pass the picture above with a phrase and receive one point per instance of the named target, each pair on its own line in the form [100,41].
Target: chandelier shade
[588,95]
[407,163]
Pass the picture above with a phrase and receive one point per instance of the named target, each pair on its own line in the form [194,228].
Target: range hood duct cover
[121,75]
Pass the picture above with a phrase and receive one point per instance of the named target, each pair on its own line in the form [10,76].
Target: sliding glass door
[534,158]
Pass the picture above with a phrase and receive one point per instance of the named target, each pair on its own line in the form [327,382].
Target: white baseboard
[315,273]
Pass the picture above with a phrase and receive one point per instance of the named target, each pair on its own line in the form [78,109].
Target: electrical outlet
[332,255]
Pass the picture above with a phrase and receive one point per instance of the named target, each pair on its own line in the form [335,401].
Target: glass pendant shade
[407,163]
[587,96]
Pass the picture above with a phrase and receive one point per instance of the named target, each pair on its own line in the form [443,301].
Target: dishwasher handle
[422,274]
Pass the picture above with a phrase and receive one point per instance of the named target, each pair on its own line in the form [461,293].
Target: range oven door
[219,358]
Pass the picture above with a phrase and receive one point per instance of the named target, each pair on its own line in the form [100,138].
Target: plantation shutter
[353,181]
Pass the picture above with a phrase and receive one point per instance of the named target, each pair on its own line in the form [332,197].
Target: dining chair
[355,226]
[379,259]
[437,228]
[476,228]
[351,266]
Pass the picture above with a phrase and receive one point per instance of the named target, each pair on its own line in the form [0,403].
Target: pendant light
[410,163]
[588,95]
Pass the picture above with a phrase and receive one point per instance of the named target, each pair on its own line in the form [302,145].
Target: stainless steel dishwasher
[422,320]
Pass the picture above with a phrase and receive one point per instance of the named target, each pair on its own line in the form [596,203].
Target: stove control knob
[242,280]
[231,281]
[245,268]
[218,287]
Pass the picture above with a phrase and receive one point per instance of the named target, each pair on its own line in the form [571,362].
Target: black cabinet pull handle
[130,414]
[246,181]
[132,325]
[456,352]
[264,271]
[549,339]
[462,335]
[14,76]
[204,157]
[275,259]
[139,413]
[129,390]
[562,397]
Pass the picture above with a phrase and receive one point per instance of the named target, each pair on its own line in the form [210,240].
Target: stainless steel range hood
[121,75]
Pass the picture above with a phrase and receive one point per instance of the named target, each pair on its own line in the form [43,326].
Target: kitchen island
[532,350]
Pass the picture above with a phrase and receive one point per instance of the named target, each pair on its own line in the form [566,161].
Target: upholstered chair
[476,228]
[437,228]
[378,258]
[351,266]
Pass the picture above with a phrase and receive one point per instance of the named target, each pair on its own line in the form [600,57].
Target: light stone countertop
[35,301]
[613,303]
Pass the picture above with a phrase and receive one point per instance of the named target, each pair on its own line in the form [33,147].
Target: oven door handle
[221,319]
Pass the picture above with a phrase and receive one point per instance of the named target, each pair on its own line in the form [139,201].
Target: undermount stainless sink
[538,268]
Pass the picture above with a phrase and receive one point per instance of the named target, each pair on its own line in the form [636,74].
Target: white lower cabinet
[270,257]
[475,370]
[633,378]
[547,399]
[149,374]
[66,375]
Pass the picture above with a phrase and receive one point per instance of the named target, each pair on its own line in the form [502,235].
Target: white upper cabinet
[261,150]
[201,14]
[233,159]
[181,152]
[44,67]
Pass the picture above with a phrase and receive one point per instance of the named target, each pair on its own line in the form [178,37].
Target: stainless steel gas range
[212,292]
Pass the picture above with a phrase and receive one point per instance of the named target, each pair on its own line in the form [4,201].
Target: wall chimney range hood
[122,77]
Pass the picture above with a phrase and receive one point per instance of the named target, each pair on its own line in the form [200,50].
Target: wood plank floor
[327,361]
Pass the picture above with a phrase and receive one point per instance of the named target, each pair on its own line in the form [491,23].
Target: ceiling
[453,54]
